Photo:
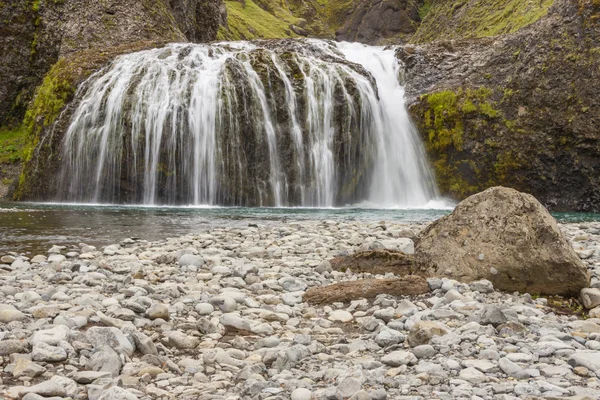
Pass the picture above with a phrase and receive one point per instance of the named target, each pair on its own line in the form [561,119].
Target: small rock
[8,347]
[301,394]
[590,297]
[423,331]
[158,311]
[398,358]
[340,316]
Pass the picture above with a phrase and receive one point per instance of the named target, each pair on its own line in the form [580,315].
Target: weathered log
[367,288]
[377,262]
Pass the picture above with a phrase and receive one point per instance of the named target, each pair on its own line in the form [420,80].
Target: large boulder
[506,237]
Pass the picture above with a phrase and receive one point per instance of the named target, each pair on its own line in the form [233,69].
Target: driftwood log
[377,262]
[367,288]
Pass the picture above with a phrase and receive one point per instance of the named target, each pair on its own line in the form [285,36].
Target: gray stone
[47,389]
[590,297]
[424,351]
[301,394]
[389,337]
[340,316]
[181,341]
[496,219]
[361,395]
[291,357]
[398,358]
[473,376]
[25,367]
[492,315]
[482,286]
[204,308]
[158,311]
[586,358]
[117,393]
[290,284]
[224,303]
[8,315]
[51,336]
[105,360]
[511,369]
[34,396]
[235,321]
[348,387]
[112,337]
[423,331]
[47,353]
[85,377]
[191,259]
[8,347]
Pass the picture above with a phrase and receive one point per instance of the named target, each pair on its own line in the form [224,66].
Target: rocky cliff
[367,21]
[519,110]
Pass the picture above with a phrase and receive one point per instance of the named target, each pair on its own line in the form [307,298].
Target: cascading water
[286,123]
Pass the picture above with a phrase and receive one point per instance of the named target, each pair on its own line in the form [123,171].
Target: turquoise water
[33,228]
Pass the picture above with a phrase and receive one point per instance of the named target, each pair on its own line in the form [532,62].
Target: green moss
[425,8]
[444,117]
[248,21]
[50,98]
[505,164]
[454,19]
[14,145]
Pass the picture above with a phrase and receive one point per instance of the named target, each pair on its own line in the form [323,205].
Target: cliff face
[48,47]
[519,110]
[460,19]
[367,21]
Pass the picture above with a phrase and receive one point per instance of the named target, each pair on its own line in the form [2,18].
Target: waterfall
[266,123]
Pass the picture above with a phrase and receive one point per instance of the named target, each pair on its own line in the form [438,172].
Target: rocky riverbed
[220,315]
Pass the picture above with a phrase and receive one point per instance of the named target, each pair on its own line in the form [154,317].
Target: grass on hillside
[13,145]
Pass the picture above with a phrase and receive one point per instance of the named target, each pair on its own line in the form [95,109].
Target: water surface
[33,228]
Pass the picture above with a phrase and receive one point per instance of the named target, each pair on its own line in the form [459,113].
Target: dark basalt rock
[520,110]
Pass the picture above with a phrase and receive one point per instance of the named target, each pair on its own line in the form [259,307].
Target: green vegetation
[455,19]
[50,98]
[14,145]
[266,19]
[247,20]
[425,8]
[444,116]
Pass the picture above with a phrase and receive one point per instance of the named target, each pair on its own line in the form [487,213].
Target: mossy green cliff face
[459,19]
[520,110]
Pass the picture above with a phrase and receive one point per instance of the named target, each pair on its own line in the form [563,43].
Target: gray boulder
[506,237]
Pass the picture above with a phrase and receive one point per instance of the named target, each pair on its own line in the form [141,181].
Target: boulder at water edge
[506,237]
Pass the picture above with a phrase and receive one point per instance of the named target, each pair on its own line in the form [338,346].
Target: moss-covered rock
[456,19]
[520,110]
